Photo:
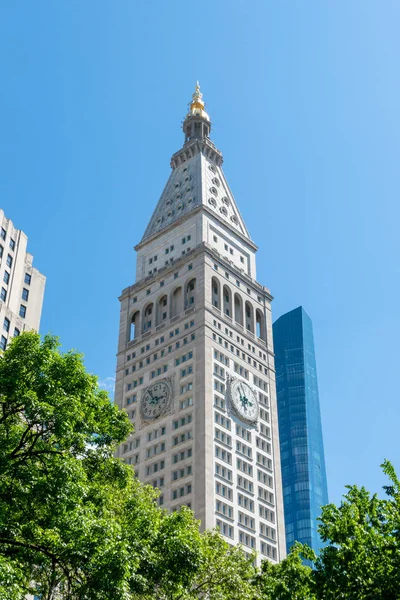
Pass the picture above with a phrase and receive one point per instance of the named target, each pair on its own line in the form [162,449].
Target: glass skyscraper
[302,451]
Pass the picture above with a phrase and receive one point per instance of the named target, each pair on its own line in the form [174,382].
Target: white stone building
[21,285]
[195,366]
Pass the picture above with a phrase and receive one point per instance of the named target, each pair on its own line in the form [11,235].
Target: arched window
[238,309]
[148,317]
[227,301]
[215,293]
[176,302]
[162,309]
[190,293]
[134,326]
[260,325]
[249,317]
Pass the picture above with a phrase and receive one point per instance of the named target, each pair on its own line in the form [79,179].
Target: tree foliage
[362,556]
[73,519]
[76,524]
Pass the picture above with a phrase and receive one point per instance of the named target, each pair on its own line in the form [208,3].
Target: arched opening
[148,317]
[176,302]
[260,325]
[249,317]
[134,326]
[162,309]
[238,309]
[227,301]
[190,293]
[215,293]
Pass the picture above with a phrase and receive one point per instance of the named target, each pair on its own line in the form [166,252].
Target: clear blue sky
[304,98]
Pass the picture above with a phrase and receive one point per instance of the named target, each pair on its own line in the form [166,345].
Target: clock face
[243,401]
[156,399]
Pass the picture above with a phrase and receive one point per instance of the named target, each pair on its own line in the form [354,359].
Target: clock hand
[243,399]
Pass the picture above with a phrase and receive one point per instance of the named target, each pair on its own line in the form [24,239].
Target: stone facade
[195,321]
[21,285]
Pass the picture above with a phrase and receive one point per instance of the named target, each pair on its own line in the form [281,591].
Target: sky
[304,99]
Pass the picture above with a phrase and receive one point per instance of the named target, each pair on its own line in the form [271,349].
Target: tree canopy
[75,522]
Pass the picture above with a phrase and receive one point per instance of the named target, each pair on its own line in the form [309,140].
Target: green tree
[58,475]
[73,519]
[289,579]
[362,558]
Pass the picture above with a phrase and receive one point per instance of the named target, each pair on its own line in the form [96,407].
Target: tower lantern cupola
[197,124]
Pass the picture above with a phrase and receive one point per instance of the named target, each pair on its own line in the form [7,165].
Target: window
[3,233]
[245,484]
[12,244]
[3,343]
[246,521]
[28,278]
[186,403]
[176,275]
[3,294]
[223,421]
[223,490]
[190,267]
[183,437]
[182,422]
[224,509]
[187,371]
[181,491]
[6,277]
[246,502]
[187,387]
[223,472]
[244,466]
[179,473]
[1,251]
[182,455]
[25,294]
[247,540]
[223,454]
[6,324]
[222,437]
[224,528]
[244,449]
[9,260]
[16,332]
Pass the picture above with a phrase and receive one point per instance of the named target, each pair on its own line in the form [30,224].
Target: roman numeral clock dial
[243,401]
[156,400]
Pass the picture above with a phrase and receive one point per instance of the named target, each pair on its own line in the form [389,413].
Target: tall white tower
[195,367]
[21,285]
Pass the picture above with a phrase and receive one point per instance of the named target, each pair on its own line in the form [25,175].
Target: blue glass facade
[302,451]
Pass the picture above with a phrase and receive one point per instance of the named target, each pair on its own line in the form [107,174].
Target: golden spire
[197,104]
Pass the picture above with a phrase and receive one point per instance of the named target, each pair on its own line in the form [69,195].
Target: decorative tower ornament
[197,124]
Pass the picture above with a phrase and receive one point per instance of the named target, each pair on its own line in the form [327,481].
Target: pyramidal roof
[196,179]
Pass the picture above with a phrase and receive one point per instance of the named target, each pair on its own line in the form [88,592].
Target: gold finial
[197,98]
[197,103]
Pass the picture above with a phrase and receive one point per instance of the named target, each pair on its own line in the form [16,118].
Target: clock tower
[195,363]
